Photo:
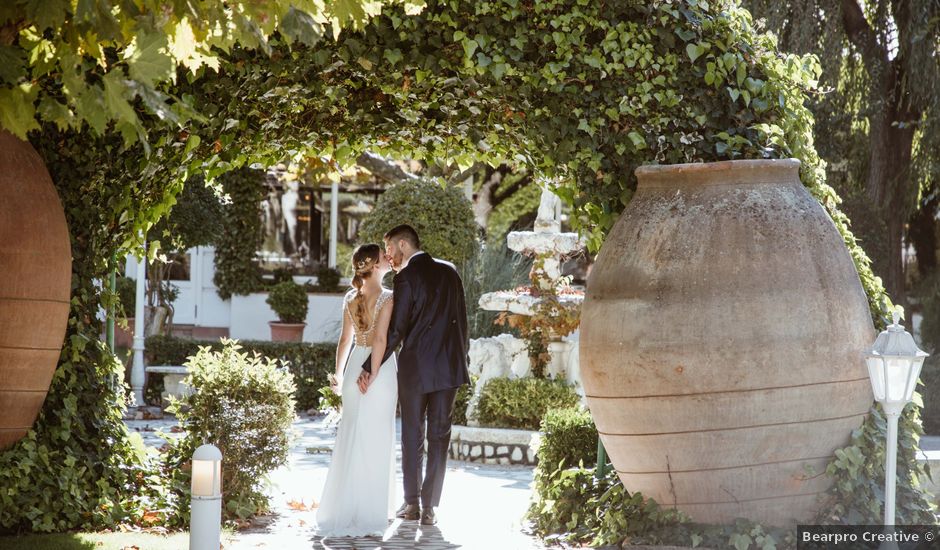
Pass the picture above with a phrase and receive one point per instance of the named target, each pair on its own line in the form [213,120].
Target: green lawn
[100,541]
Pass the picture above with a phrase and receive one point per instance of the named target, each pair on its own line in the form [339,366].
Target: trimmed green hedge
[569,439]
[522,403]
[310,364]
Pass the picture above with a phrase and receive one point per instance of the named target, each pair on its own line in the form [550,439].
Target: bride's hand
[365,380]
[336,384]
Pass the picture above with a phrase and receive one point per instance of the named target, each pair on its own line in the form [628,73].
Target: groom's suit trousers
[439,407]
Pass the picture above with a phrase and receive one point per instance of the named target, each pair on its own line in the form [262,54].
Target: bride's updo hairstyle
[364,261]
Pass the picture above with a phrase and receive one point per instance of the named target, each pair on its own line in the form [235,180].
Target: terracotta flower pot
[287,332]
[124,338]
[721,342]
[35,281]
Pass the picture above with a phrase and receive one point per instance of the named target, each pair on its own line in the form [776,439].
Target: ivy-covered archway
[583,92]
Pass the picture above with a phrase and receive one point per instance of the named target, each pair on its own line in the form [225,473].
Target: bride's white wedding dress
[358,498]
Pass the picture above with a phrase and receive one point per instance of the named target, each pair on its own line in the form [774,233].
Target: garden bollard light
[894,364]
[205,524]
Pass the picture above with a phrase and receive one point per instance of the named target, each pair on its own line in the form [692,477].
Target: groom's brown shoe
[408,511]
[427,516]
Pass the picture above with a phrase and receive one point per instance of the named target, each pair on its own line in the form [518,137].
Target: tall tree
[882,60]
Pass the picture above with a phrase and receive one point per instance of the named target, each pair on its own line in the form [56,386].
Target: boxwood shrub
[440,214]
[244,405]
[569,439]
[522,403]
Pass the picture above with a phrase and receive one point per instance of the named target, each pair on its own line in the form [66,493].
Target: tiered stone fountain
[506,355]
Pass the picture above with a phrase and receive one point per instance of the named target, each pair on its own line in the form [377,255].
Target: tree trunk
[384,168]
[922,232]
[483,199]
[156,321]
[889,179]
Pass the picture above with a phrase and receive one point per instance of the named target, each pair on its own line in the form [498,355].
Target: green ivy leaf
[156,101]
[469,46]
[638,142]
[685,34]
[47,13]
[393,56]
[349,12]
[584,126]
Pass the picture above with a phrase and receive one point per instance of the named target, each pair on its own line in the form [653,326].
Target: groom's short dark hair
[406,232]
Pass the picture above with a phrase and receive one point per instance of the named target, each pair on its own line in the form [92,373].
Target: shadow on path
[399,536]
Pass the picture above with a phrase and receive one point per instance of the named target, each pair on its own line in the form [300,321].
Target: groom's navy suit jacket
[429,320]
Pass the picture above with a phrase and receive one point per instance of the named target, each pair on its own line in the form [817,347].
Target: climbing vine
[78,467]
[236,265]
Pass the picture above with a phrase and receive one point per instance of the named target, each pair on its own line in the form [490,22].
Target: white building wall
[251,315]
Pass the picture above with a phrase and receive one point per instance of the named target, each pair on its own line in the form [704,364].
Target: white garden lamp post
[205,524]
[894,364]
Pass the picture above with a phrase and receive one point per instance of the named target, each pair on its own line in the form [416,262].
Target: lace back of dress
[364,337]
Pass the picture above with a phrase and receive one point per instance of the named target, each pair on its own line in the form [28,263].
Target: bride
[359,494]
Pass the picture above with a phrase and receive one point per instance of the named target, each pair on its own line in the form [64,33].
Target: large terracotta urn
[35,281]
[721,342]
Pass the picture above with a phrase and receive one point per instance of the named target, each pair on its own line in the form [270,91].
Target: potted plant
[289,301]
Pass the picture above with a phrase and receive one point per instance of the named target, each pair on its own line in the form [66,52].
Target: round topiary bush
[440,214]
[289,301]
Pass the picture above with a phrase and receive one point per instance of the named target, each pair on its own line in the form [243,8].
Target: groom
[429,320]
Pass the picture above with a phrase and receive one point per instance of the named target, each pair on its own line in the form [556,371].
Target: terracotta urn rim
[726,172]
[283,324]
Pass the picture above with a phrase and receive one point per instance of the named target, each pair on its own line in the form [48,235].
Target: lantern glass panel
[898,372]
[918,362]
[876,375]
[206,478]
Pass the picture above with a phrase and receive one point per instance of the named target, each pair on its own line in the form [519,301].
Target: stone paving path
[481,507]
